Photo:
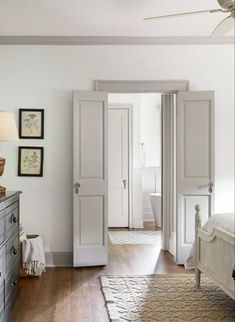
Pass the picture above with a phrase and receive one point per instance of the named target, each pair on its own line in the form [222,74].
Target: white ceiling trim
[115,40]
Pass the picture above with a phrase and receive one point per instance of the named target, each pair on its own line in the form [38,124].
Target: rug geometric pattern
[134,237]
[165,298]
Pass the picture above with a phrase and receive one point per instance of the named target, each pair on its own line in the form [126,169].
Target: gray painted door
[90,179]
[194,164]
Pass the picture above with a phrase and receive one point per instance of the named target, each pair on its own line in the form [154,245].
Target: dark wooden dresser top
[8,194]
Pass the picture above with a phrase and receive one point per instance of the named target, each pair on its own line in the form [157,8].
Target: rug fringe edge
[109,300]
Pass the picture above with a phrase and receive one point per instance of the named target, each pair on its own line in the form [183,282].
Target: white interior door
[194,164]
[90,179]
[118,166]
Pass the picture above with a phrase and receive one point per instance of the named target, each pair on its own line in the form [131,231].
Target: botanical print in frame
[30,161]
[31,123]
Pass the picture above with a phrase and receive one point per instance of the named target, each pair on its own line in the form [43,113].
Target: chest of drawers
[9,252]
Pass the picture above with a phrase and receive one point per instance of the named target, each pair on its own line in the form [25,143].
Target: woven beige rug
[165,298]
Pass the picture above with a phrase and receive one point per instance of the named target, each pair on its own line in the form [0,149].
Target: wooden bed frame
[214,256]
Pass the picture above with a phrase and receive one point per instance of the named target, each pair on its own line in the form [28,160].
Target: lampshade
[8,131]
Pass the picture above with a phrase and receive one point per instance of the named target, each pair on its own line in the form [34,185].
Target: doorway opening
[169,89]
[134,158]
[134,168]
[185,170]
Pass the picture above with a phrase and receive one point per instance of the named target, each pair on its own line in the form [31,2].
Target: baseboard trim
[59,259]
[138,223]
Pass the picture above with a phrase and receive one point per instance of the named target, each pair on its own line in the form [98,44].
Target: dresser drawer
[2,263]
[2,298]
[12,250]
[2,226]
[9,252]
[11,284]
[12,219]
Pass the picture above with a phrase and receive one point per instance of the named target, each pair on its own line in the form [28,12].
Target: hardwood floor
[74,295]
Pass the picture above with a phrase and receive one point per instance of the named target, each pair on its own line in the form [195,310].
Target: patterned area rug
[134,237]
[165,298]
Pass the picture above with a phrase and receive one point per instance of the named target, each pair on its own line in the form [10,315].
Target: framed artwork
[30,161]
[31,123]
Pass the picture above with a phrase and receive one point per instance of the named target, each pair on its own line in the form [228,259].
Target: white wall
[151,137]
[151,128]
[148,186]
[45,76]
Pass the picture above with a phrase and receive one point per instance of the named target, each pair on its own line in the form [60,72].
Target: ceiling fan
[227,24]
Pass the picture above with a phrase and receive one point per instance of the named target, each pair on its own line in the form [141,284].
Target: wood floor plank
[74,294]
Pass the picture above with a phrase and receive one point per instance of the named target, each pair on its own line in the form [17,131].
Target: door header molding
[131,86]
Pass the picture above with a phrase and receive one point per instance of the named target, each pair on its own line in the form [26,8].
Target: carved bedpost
[198,224]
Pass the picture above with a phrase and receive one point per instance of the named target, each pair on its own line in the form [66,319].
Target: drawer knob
[14,281]
[13,219]
[13,250]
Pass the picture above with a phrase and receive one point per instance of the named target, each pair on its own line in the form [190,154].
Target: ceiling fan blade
[184,14]
[224,26]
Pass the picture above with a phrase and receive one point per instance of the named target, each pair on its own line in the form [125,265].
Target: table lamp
[8,132]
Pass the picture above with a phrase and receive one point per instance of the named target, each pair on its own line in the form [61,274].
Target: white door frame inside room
[161,87]
[91,190]
[127,190]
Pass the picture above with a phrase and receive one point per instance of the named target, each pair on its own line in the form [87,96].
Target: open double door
[194,172]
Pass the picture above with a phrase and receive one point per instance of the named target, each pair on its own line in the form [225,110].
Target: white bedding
[222,221]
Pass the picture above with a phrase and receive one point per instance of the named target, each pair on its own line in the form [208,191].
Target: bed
[214,250]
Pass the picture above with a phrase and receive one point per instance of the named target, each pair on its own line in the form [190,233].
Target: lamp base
[2,164]
[2,190]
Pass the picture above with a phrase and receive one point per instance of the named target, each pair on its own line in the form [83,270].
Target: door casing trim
[145,86]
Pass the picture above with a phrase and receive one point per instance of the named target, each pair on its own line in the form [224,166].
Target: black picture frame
[30,161]
[31,123]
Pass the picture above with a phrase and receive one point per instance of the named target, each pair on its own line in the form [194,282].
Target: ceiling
[105,18]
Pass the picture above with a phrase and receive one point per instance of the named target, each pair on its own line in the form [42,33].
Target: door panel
[90,179]
[196,118]
[194,164]
[118,169]
[92,216]
[92,140]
